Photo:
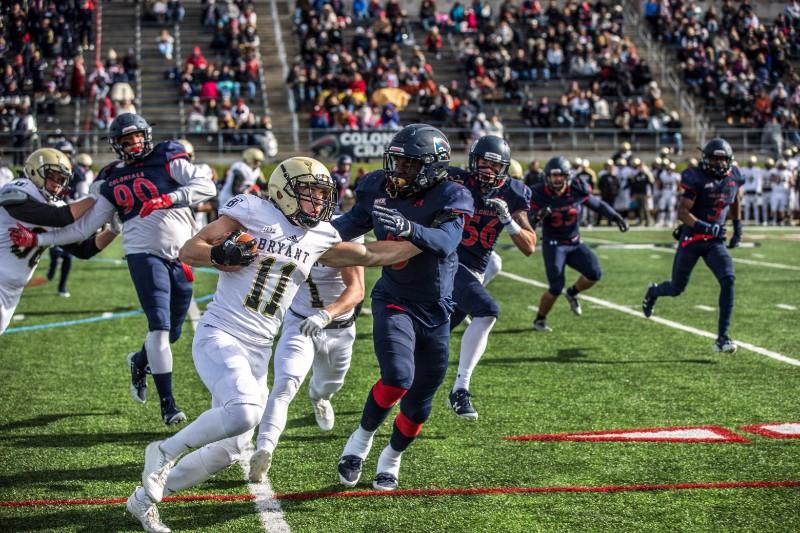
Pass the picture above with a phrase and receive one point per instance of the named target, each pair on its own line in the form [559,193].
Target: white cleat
[146,513]
[541,325]
[323,412]
[259,466]
[725,345]
[574,304]
[156,470]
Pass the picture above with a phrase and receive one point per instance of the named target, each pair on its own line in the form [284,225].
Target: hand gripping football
[238,249]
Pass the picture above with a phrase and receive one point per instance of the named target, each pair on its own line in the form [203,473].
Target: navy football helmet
[717,158]
[125,124]
[557,173]
[495,150]
[415,160]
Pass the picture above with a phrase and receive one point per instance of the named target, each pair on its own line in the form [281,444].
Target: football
[246,239]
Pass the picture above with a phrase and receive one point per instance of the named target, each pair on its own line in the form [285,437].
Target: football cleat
[541,325]
[64,294]
[138,379]
[384,481]
[350,470]
[574,304]
[459,401]
[323,413]
[170,412]
[725,345]
[649,301]
[259,465]
[146,513]
[156,470]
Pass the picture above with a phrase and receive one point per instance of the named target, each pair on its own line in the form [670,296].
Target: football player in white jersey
[669,179]
[151,188]
[242,175]
[752,190]
[779,201]
[289,233]
[203,210]
[328,295]
[37,199]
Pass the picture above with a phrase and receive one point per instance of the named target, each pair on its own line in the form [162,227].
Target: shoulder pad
[371,183]
[736,174]
[580,186]
[172,150]
[13,196]
[103,174]
[457,198]
[458,174]
[520,189]
[690,178]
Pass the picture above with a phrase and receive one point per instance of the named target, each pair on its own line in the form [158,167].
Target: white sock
[493,267]
[196,467]
[359,443]
[159,354]
[473,344]
[389,461]
[273,422]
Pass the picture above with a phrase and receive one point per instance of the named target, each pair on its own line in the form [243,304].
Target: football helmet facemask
[130,149]
[717,158]
[489,158]
[557,173]
[302,188]
[51,171]
[415,160]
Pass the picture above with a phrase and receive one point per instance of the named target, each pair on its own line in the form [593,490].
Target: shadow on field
[74,440]
[54,478]
[85,519]
[60,312]
[580,355]
[43,420]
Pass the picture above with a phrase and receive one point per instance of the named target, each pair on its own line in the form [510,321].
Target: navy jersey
[129,186]
[483,227]
[563,224]
[423,285]
[712,197]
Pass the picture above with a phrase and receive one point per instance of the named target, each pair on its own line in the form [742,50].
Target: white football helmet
[253,157]
[189,147]
[299,180]
[49,165]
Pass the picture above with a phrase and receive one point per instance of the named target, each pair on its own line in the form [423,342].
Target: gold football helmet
[50,170]
[304,191]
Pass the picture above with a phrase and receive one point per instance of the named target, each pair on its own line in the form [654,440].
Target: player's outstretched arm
[441,239]
[596,204]
[379,253]
[197,250]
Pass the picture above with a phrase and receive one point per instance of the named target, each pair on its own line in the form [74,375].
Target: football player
[557,204]
[500,203]
[318,332]
[243,175]
[495,264]
[668,179]
[409,199]
[709,191]
[260,274]
[37,200]
[150,188]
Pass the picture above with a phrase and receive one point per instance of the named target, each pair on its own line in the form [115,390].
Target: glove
[540,215]
[737,234]
[501,208]
[115,226]
[160,202]
[234,252]
[393,221]
[23,237]
[313,325]
[715,230]
[621,222]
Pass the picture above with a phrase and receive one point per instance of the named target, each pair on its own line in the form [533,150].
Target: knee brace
[387,396]
[241,417]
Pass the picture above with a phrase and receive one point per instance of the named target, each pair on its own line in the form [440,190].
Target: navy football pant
[471,298]
[577,256]
[717,259]
[413,362]
[164,292]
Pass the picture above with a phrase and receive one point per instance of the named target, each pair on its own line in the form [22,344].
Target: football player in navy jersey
[710,190]
[151,188]
[409,199]
[500,203]
[558,203]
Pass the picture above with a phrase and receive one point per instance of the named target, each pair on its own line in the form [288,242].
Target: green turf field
[69,430]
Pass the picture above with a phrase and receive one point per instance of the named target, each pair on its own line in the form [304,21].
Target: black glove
[540,215]
[393,221]
[620,221]
[238,249]
[737,234]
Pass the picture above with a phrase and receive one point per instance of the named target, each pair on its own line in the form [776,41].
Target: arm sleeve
[33,212]
[196,183]
[596,204]
[441,240]
[688,185]
[83,250]
[354,223]
[100,213]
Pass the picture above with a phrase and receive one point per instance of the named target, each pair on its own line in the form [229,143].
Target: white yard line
[663,321]
[787,307]
[705,308]
[269,508]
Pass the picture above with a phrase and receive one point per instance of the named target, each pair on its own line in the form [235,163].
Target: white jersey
[323,287]
[6,176]
[669,181]
[253,301]
[623,200]
[162,233]
[781,184]
[752,179]
[17,264]
[249,175]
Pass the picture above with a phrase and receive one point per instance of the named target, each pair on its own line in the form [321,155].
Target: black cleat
[170,412]
[649,301]
[725,345]
[459,401]
[350,469]
[138,379]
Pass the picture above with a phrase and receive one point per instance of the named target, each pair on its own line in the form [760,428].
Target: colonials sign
[357,144]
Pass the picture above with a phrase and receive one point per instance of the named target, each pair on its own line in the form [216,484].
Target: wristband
[513,228]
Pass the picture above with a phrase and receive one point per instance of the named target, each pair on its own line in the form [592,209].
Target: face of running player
[313,199]
[132,143]
[558,181]
[406,170]
[487,173]
[56,182]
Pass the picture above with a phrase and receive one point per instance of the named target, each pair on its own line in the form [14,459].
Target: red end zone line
[425,492]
